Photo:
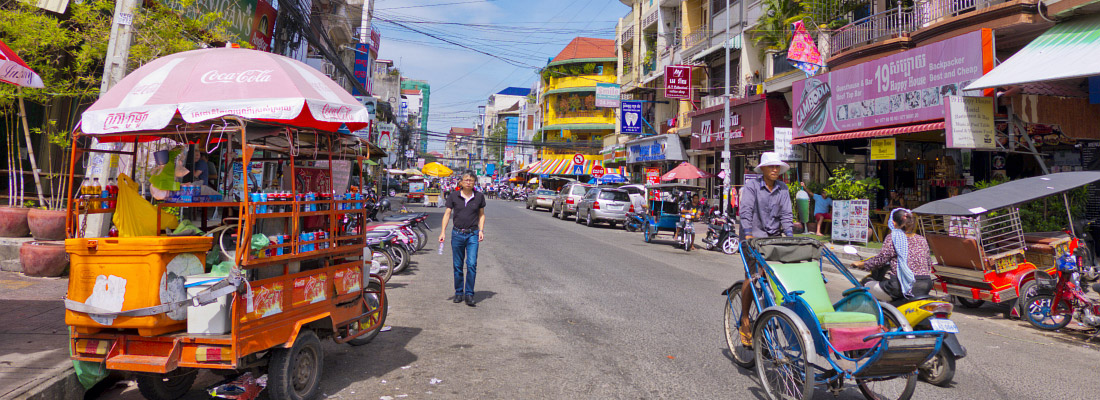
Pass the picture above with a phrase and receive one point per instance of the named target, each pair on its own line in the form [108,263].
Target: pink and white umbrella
[684,171]
[16,72]
[207,84]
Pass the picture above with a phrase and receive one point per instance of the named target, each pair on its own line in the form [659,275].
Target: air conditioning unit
[330,69]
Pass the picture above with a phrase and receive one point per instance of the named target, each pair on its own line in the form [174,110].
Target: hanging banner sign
[783,147]
[630,118]
[607,95]
[678,82]
[884,149]
[899,89]
[969,122]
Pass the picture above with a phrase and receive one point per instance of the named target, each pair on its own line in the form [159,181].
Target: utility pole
[364,32]
[726,156]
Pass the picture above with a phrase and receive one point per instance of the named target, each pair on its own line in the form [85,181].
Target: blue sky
[525,32]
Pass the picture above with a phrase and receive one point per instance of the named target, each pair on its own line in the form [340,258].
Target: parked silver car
[543,198]
[566,201]
[603,205]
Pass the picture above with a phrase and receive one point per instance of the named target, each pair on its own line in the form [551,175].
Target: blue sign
[362,68]
[578,170]
[491,169]
[630,118]
[544,176]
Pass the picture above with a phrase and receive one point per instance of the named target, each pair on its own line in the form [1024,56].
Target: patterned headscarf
[901,247]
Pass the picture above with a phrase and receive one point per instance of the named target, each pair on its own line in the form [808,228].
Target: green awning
[1066,51]
[578,127]
[572,90]
[369,162]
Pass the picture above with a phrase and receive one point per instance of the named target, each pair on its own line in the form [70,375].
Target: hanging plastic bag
[136,217]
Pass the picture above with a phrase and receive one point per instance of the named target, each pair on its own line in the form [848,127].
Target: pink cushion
[845,339]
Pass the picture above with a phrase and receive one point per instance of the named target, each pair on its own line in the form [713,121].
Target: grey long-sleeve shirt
[766,213]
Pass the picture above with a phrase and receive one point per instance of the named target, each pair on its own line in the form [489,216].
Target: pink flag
[803,53]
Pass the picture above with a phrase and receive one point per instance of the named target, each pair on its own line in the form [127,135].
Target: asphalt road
[567,311]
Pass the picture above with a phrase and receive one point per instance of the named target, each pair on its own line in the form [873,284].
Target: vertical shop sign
[263,26]
[851,219]
[969,122]
[884,149]
[362,67]
[630,117]
[678,82]
[607,95]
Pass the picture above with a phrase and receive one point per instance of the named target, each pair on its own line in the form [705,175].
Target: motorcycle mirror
[849,249]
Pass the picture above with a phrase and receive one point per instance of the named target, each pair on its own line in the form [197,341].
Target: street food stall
[284,265]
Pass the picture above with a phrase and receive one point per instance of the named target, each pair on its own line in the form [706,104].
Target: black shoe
[459,298]
[470,301]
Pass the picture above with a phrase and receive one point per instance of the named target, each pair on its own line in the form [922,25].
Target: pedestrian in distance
[822,203]
[765,212]
[467,208]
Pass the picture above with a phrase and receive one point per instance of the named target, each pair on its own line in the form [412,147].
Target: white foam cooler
[210,319]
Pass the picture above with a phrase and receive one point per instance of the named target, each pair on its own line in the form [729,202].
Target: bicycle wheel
[894,388]
[782,357]
[1039,311]
[731,245]
[742,356]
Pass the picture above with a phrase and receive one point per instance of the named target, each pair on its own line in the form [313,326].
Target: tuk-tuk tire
[170,386]
[284,361]
[969,303]
[645,232]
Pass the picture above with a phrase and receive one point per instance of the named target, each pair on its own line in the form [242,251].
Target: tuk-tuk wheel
[374,301]
[645,232]
[170,386]
[969,303]
[295,373]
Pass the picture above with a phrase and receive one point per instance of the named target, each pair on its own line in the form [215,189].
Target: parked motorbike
[929,313]
[687,234]
[721,234]
[1087,231]
[1059,300]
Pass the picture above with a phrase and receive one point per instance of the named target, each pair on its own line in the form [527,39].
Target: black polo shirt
[465,213]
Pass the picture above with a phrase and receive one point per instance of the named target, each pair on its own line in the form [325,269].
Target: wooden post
[30,147]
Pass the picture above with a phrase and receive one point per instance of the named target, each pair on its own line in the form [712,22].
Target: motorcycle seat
[377,234]
[401,217]
[901,302]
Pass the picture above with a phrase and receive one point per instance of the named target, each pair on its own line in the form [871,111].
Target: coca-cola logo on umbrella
[335,112]
[246,76]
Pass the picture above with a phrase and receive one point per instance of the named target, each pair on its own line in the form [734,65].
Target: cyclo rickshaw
[981,250]
[663,212]
[802,340]
[295,266]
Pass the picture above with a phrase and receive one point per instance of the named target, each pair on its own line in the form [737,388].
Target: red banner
[678,82]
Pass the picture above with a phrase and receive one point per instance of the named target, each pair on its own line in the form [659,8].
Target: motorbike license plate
[945,325]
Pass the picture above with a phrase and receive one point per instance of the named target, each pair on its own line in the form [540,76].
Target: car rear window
[547,192]
[580,190]
[614,195]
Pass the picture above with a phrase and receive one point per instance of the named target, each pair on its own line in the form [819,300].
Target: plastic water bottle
[440,247]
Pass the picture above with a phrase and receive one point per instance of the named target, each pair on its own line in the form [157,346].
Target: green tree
[497,138]
[775,26]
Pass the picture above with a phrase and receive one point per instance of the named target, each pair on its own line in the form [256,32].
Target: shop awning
[578,127]
[1066,51]
[869,133]
[562,166]
[734,42]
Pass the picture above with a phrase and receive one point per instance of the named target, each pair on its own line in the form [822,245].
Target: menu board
[851,220]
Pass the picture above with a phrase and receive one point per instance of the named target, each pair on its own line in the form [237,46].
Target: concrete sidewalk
[34,356]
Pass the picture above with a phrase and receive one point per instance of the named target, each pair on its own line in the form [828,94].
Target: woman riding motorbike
[908,257]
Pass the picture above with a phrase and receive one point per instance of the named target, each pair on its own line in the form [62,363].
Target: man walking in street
[765,212]
[467,207]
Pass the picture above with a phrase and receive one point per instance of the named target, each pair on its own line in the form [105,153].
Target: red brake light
[569,200]
[596,205]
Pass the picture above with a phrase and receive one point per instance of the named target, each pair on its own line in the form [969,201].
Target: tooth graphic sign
[631,117]
[678,82]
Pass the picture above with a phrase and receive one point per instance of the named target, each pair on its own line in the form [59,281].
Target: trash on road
[435,381]
[386,328]
[245,387]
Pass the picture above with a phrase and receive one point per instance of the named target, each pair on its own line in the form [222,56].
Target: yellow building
[569,99]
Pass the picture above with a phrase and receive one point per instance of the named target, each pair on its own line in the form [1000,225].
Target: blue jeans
[464,246]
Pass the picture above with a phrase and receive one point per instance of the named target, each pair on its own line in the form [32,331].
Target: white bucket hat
[772,158]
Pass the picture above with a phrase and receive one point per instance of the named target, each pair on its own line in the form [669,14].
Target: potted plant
[46,255]
[851,204]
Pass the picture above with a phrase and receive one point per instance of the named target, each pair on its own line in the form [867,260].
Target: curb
[62,385]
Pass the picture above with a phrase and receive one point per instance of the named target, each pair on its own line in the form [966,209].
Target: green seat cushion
[846,319]
[804,276]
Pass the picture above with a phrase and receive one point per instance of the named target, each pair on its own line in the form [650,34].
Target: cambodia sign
[903,88]
[607,95]
[678,82]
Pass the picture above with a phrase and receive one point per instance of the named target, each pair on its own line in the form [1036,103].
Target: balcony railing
[605,112]
[651,18]
[696,37]
[628,36]
[780,64]
[901,21]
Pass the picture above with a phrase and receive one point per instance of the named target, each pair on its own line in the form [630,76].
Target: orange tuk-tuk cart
[283,263]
